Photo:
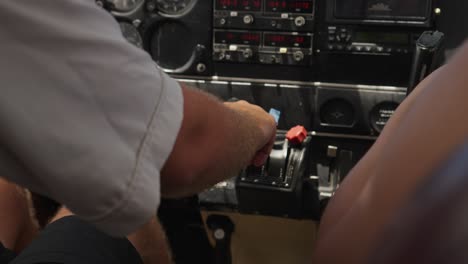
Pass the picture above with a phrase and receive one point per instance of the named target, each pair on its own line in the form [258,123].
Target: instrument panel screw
[151,6]
[136,22]
[201,67]
[219,234]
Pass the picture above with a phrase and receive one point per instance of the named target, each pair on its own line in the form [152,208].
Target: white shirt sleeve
[85,117]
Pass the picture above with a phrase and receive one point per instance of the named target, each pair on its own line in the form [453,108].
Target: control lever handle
[426,53]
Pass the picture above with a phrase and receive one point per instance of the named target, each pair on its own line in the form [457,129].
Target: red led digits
[299,5]
[257,4]
[296,6]
[251,5]
[276,38]
[255,38]
[304,6]
[272,4]
[287,40]
[227,3]
[254,5]
[299,39]
[237,37]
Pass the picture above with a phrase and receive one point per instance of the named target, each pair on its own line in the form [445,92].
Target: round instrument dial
[381,113]
[131,34]
[174,7]
[125,5]
[172,45]
[338,112]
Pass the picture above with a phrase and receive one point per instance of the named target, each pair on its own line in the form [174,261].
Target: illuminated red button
[296,135]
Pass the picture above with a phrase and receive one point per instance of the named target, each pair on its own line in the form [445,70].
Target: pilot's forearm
[17,225]
[426,135]
[355,181]
[215,142]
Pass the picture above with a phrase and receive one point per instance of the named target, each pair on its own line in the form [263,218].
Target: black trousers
[73,241]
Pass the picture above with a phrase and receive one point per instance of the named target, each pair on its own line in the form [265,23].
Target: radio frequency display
[291,6]
[287,40]
[237,37]
[239,5]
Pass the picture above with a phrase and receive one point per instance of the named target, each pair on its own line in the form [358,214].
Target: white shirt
[85,117]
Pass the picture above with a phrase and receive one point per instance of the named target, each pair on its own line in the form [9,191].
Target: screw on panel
[151,6]
[136,22]
[219,234]
[201,67]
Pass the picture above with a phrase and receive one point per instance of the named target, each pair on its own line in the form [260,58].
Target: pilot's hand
[263,124]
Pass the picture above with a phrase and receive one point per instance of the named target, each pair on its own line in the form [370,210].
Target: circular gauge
[337,112]
[125,5]
[172,45]
[381,113]
[174,7]
[131,34]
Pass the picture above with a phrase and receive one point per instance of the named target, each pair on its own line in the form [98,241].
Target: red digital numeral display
[242,38]
[247,5]
[285,40]
[250,37]
[301,6]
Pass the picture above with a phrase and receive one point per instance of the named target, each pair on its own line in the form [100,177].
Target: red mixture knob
[296,135]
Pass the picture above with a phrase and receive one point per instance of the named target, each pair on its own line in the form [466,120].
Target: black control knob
[247,53]
[221,56]
[273,59]
[222,21]
[343,36]
[248,19]
[298,56]
[299,21]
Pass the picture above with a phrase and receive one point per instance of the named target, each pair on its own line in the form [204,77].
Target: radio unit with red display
[277,32]
[284,15]
[263,47]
